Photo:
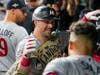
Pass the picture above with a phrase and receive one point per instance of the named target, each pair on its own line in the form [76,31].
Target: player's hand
[91,16]
[29,47]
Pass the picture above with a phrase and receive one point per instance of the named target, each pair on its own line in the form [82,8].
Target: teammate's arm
[91,16]
[20,49]
[25,61]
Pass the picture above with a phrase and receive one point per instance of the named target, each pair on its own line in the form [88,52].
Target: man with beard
[9,33]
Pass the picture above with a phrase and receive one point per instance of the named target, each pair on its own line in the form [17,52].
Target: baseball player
[11,33]
[82,44]
[44,20]
[94,16]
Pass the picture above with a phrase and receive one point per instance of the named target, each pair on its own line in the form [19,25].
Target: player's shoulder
[20,28]
[1,22]
[16,26]
[61,60]
[25,39]
[59,65]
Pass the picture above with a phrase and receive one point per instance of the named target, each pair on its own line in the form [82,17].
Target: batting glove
[30,46]
[91,16]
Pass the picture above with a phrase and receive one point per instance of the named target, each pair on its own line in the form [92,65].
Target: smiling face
[45,27]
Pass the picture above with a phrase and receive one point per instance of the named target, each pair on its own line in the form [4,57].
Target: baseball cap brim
[45,18]
[25,9]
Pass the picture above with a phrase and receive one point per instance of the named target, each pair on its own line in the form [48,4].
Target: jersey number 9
[3,47]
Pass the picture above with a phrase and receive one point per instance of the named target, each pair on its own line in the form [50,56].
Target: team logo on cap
[52,12]
[44,12]
[15,5]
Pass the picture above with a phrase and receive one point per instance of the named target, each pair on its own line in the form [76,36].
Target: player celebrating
[82,43]
[44,20]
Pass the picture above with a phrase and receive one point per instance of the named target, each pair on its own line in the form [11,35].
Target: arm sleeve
[19,49]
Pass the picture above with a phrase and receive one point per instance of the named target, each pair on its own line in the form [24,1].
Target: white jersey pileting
[73,65]
[10,35]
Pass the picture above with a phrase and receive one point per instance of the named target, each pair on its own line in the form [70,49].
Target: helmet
[44,13]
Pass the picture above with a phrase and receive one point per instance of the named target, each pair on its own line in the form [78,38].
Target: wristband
[25,62]
[97,58]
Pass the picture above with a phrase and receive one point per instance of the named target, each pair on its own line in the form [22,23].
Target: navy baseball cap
[16,4]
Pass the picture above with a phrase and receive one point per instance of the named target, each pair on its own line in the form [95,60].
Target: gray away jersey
[73,65]
[10,35]
[36,66]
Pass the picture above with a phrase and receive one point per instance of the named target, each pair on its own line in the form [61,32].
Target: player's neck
[7,19]
[39,37]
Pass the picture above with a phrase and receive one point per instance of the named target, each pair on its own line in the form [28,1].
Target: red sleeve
[85,19]
[25,61]
[96,57]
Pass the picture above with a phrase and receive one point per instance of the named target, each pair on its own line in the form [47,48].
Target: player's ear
[70,45]
[12,11]
[35,22]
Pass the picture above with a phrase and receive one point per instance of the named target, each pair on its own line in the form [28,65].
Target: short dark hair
[86,29]
[83,28]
